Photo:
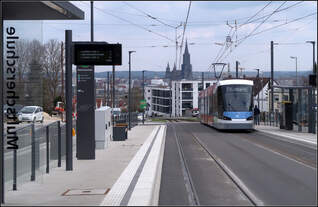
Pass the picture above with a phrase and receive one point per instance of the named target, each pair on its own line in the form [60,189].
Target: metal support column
[32,153]
[143,95]
[68,99]
[14,186]
[236,68]
[59,144]
[299,113]
[47,149]
[272,82]
[113,96]
[1,110]
[310,110]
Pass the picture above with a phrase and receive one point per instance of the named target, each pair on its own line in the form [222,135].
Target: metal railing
[40,148]
[124,118]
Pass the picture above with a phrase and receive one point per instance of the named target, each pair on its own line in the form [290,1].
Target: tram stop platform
[124,173]
[306,138]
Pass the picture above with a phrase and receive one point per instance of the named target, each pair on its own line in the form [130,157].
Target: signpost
[85,56]
[143,104]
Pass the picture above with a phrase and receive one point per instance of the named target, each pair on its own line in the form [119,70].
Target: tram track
[249,195]
[187,174]
[192,194]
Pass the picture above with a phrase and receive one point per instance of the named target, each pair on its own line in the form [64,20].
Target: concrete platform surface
[89,181]
[308,138]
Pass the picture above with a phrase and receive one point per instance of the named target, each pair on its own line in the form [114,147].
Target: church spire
[186,50]
[168,67]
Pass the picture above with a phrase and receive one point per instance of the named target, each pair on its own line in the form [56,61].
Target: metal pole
[47,149]
[62,77]
[32,153]
[68,97]
[1,110]
[14,187]
[272,81]
[202,81]
[92,21]
[296,73]
[108,95]
[113,96]
[311,123]
[258,81]
[237,64]
[129,92]
[143,95]
[59,144]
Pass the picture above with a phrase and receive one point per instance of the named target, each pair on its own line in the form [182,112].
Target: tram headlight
[250,118]
[226,118]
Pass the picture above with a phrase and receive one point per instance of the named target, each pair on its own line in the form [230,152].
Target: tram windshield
[237,97]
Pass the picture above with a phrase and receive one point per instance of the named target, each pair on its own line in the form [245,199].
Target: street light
[295,57]
[129,98]
[257,88]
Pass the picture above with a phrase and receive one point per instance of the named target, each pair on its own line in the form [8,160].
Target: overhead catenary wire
[264,16]
[267,17]
[235,32]
[141,27]
[274,27]
[251,33]
[184,28]
[148,15]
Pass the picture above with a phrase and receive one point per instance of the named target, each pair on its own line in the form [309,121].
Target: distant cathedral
[186,68]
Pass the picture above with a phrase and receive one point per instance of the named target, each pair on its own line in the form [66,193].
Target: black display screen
[92,53]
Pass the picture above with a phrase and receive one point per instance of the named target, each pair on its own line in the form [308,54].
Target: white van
[31,114]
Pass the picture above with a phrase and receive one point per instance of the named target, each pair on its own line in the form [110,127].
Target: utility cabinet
[103,127]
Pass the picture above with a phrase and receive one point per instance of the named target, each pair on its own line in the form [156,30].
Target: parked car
[31,114]
[195,112]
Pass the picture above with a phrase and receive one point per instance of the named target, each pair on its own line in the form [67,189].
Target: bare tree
[52,70]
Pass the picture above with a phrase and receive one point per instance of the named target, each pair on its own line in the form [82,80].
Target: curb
[288,137]
[145,193]
[137,182]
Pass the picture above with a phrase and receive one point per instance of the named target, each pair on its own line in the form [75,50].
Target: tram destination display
[97,53]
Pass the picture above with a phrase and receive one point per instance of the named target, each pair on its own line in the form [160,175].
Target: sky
[128,23]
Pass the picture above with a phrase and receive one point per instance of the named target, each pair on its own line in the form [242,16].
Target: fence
[124,118]
[39,150]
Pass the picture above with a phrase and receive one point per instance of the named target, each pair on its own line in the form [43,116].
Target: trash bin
[288,115]
[120,132]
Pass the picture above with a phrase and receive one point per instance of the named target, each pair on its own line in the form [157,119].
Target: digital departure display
[97,53]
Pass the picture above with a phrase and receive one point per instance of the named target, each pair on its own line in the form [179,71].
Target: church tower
[186,66]
[168,73]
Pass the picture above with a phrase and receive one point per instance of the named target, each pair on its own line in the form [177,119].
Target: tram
[228,104]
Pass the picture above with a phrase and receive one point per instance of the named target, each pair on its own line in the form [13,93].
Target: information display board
[97,53]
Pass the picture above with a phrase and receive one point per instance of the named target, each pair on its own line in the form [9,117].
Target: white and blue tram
[228,104]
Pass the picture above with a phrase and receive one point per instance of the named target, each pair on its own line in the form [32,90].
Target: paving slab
[89,180]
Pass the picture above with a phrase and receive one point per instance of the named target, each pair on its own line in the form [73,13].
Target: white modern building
[175,101]
[185,96]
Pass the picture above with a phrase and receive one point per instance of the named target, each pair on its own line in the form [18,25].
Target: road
[204,166]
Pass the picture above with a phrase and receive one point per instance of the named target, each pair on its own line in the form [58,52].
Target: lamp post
[258,83]
[294,57]
[129,97]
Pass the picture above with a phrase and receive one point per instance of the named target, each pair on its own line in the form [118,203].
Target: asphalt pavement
[274,171]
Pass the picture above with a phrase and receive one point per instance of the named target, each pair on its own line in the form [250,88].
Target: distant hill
[198,75]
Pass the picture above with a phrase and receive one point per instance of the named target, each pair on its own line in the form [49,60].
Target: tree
[52,71]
